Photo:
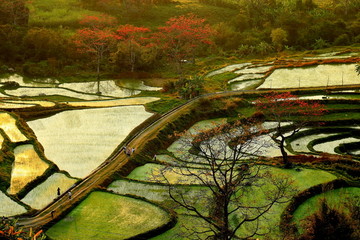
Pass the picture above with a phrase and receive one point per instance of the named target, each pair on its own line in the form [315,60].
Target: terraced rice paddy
[80,90]
[8,207]
[107,88]
[125,217]
[329,146]
[97,132]
[8,125]
[46,192]
[114,102]
[300,145]
[33,83]
[302,179]
[6,105]
[146,181]
[31,102]
[26,168]
[337,199]
[155,173]
[317,76]
[229,68]
[33,92]
[136,84]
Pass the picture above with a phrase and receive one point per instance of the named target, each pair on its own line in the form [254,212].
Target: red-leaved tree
[290,113]
[182,36]
[132,40]
[98,22]
[96,38]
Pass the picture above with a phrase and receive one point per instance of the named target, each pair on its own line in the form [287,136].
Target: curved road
[113,164]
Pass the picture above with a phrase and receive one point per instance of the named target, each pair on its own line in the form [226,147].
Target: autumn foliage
[182,36]
[10,231]
[98,22]
[280,105]
[179,39]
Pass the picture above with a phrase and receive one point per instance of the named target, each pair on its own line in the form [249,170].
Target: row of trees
[303,24]
[126,44]
[106,43]
[260,27]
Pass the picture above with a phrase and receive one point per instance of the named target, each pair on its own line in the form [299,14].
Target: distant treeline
[254,27]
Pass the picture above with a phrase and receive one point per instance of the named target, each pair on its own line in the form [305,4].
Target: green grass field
[57,13]
[125,217]
[67,13]
[301,180]
[335,198]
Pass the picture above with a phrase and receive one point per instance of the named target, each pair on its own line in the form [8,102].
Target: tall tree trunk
[98,73]
[220,214]
[284,153]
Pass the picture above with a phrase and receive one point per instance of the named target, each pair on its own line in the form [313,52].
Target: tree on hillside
[98,22]
[229,177]
[14,12]
[181,37]
[328,223]
[132,42]
[95,39]
[279,37]
[282,108]
[43,43]
[95,42]
[357,68]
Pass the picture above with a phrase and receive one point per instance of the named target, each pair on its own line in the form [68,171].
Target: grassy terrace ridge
[128,217]
[335,198]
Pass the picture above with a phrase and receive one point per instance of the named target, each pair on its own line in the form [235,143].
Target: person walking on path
[69,194]
[58,192]
[52,214]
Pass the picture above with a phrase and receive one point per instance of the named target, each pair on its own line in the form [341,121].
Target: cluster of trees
[265,26]
[260,27]
[102,42]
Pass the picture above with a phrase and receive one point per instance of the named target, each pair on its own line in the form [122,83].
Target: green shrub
[342,40]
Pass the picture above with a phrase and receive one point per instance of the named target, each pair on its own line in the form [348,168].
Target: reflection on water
[106,88]
[315,76]
[49,82]
[97,132]
[93,90]
[9,207]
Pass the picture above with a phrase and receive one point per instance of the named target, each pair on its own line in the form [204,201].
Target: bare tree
[223,162]
[282,108]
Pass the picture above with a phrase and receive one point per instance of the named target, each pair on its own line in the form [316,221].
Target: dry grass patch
[26,168]
[8,124]
[117,217]
[8,207]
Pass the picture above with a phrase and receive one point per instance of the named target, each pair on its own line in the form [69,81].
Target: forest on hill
[44,39]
